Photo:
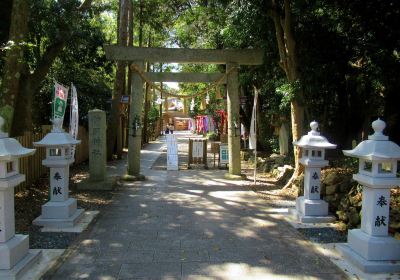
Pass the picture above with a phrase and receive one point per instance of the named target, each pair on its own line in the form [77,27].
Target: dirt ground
[29,201]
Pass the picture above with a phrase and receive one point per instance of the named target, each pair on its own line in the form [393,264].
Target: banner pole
[255,135]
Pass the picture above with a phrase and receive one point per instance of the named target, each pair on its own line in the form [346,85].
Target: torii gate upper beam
[178,55]
[186,77]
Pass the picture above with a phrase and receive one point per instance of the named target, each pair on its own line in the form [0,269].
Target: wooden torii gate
[231,57]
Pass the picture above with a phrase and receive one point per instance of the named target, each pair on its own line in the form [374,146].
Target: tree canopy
[346,52]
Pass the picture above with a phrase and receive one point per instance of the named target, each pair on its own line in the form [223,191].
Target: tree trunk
[14,62]
[130,44]
[119,86]
[147,100]
[288,61]
[29,84]
[17,78]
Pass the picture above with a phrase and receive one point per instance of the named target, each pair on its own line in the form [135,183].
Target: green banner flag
[59,101]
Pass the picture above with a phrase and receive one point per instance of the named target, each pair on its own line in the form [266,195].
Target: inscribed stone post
[97,145]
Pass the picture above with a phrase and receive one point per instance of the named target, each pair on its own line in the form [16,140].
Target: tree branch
[85,5]
[290,41]
[45,63]
[279,37]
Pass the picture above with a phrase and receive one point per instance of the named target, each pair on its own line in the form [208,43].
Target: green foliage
[212,136]
[154,114]
[7,113]
[288,92]
[347,51]
[82,61]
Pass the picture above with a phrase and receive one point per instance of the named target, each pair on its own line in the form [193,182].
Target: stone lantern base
[62,214]
[372,254]
[312,211]
[16,258]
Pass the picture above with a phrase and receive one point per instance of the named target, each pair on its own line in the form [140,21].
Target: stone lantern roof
[57,137]
[377,147]
[10,148]
[314,140]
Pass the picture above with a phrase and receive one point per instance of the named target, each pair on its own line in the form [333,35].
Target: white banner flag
[253,124]
[74,116]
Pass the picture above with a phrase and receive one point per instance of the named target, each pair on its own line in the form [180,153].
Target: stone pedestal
[310,208]
[172,152]
[15,256]
[61,211]
[370,247]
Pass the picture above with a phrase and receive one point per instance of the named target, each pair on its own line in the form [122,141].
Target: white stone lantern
[310,208]
[61,211]
[15,256]
[371,248]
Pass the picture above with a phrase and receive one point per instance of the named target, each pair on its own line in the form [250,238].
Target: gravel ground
[51,240]
[324,235]
[271,190]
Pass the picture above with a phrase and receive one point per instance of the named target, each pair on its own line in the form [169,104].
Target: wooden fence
[32,166]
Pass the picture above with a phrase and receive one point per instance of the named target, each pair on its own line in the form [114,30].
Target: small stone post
[135,123]
[61,211]
[15,256]
[97,145]
[371,248]
[233,121]
[310,208]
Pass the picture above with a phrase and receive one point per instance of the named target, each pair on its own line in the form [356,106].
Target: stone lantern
[15,256]
[371,248]
[61,211]
[310,208]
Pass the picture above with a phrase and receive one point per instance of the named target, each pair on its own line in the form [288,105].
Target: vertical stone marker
[98,179]
[172,152]
[15,256]
[310,208]
[61,211]
[97,145]
[371,248]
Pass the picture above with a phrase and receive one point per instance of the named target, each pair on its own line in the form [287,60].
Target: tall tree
[33,63]
[13,67]
[282,17]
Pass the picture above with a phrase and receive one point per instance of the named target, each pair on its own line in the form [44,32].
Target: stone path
[191,224]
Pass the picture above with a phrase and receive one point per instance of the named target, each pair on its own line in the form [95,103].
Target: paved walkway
[191,224]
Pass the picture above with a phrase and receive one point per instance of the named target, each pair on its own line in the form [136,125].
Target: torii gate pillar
[233,121]
[135,123]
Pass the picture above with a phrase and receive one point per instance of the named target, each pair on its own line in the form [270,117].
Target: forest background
[337,62]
